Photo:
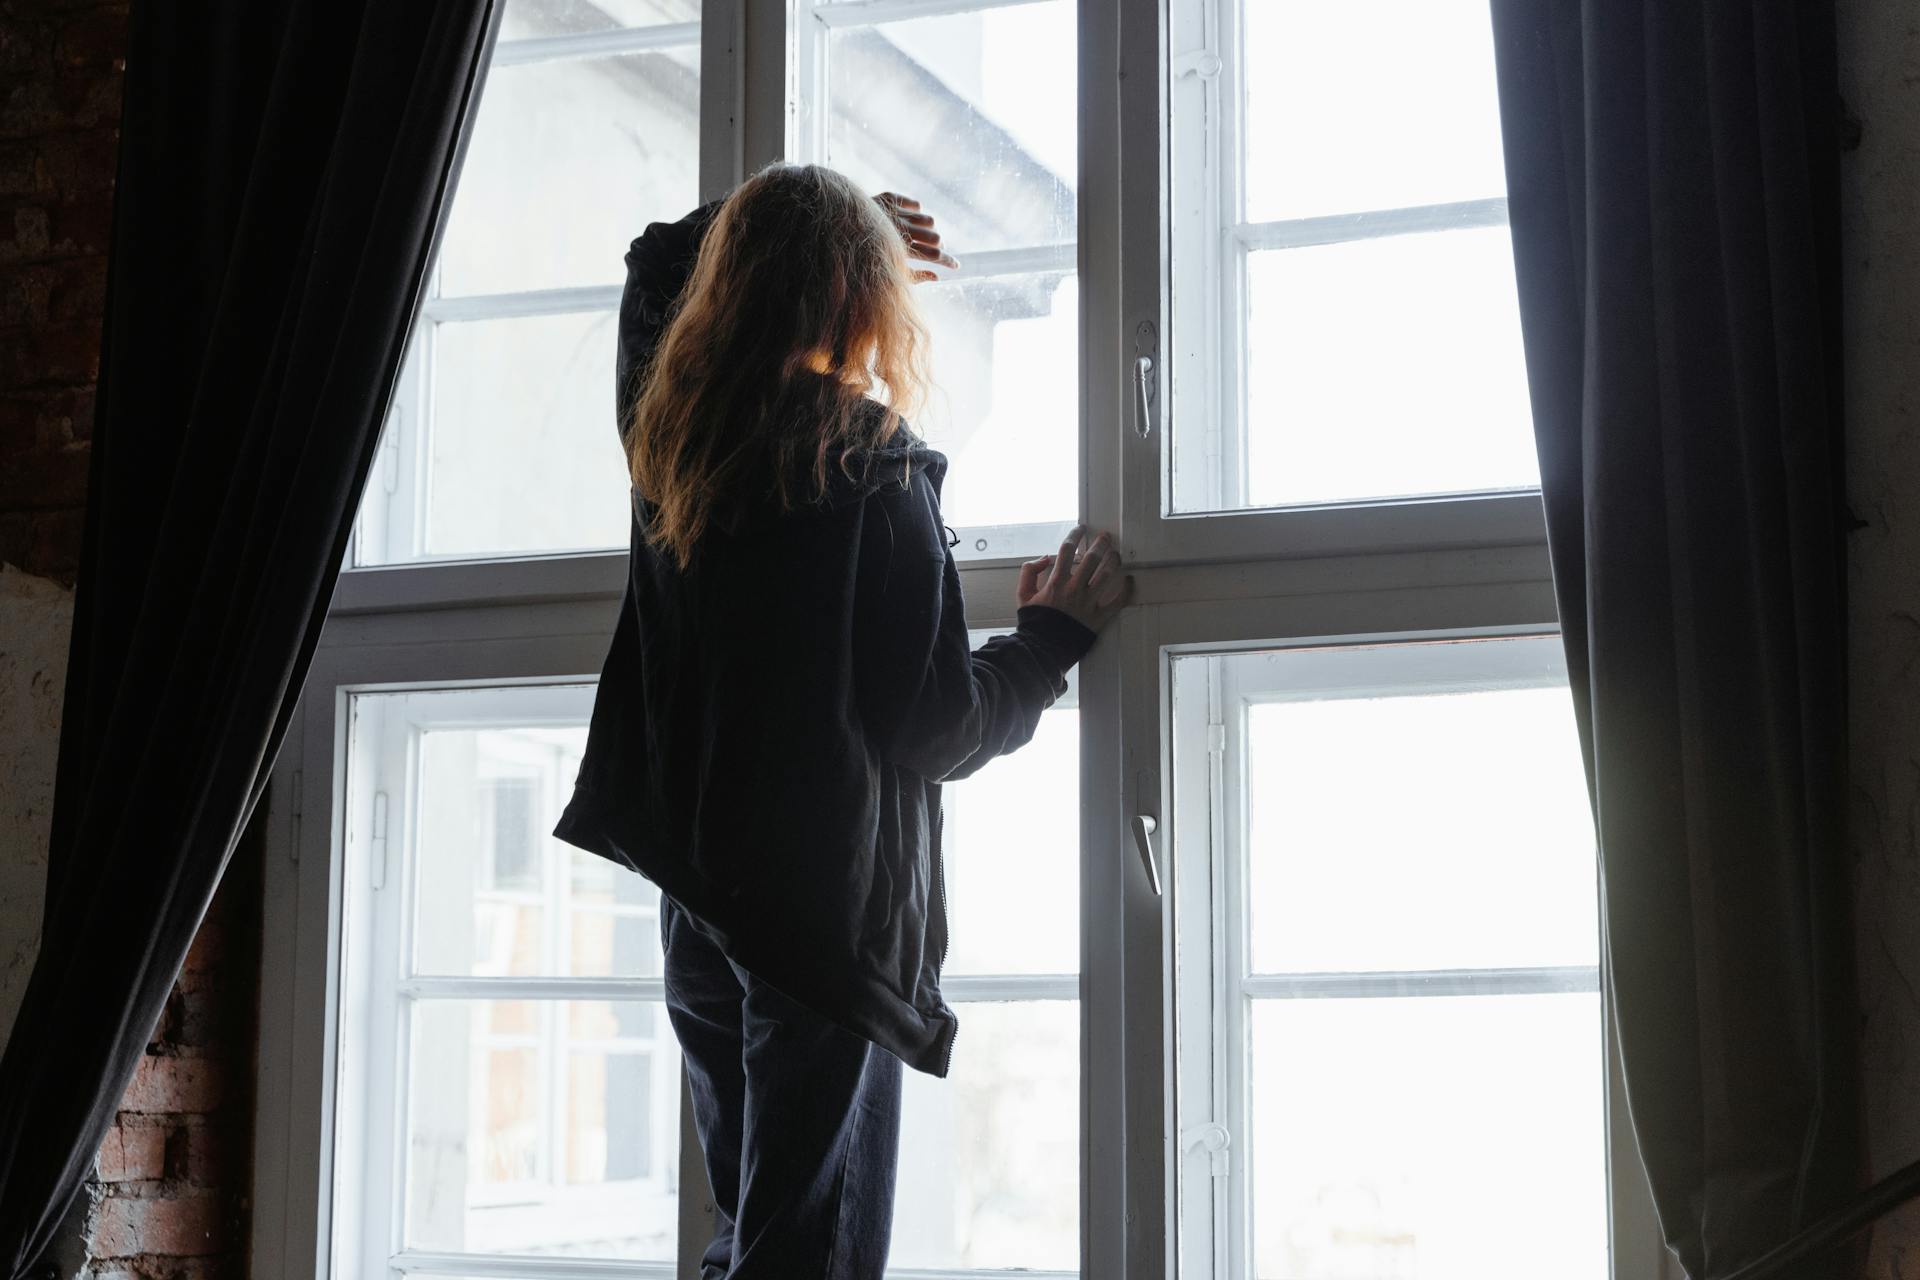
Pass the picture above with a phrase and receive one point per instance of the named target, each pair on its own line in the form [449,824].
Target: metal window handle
[1144,825]
[1143,396]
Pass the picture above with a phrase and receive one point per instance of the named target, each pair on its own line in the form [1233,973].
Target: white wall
[36,616]
[1880,80]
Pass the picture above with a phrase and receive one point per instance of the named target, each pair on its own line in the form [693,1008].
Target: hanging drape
[1672,176]
[283,167]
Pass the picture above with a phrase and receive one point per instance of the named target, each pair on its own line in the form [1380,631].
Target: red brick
[45,480]
[78,290]
[175,1086]
[63,416]
[73,163]
[53,356]
[24,232]
[93,40]
[20,171]
[181,1227]
[81,225]
[209,944]
[25,290]
[214,1156]
[53,544]
[133,1153]
[19,424]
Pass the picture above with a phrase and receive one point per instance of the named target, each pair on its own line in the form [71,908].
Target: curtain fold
[283,169]
[1672,170]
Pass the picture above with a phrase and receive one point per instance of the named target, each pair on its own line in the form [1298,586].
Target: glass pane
[520,1140]
[1013,858]
[1386,367]
[1368,104]
[524,455]
[525,19]
[1005,407]
[1431,1139]
[494,895]
[973,113]
[989,1169]
[1418,832]
[569,161]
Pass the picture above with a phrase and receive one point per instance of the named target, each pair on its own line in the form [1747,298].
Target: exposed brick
[185,1226]
[209,945]
[45,480]
[176,1085]
[93,39]
[77,290]
[20,172]
[81,225]
[19,424]
[77,163]
[53,356]
[24,231]
[133,1153]
[25,292]
[211,1151]
[52,544]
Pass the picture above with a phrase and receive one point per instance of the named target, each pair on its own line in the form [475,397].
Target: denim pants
[799,1121]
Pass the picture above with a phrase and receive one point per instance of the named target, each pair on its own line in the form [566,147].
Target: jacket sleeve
[936,705]
[658,265]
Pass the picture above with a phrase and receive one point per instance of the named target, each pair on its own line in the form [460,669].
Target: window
[500,440]
[1274,953]
[971,108]
[507,1066]
[989,1170]
[1386,1067]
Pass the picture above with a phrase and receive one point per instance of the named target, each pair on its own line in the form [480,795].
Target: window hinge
[1216,739]
[377,842]
[1204,63]
[1215,1140]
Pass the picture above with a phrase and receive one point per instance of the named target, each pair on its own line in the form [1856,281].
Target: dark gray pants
[799,1121]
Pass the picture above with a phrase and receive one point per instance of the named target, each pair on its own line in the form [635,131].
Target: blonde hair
[799,306]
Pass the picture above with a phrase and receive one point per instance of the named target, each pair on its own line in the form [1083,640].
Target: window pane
[1005,408]
[494,895]
[524,455]
[1013,858]
[525,19]
[989,1174]
[569,160]
[1433,1139]
[1387,367]
[1435,831]
[973,113]
[522,1138]
[1368,104]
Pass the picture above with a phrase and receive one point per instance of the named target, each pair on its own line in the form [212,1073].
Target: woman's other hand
[1081,580]
[916,228]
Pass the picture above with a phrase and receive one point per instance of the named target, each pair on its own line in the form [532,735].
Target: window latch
[1144,825]
[1146,346]
[1214,1139]
[1204,63]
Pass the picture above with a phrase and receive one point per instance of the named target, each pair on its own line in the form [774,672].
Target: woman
[789,684]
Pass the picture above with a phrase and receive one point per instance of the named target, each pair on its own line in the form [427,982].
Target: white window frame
[1370,571]
[1207,855]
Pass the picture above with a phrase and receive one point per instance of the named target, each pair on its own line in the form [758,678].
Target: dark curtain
[1672,171]
[283,168]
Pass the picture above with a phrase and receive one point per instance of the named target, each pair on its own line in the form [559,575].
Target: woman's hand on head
[1082,580]
[916,228]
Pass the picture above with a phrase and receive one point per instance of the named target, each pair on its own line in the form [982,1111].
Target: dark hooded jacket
[773,723]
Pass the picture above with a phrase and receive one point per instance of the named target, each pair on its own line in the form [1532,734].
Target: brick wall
[169,1199]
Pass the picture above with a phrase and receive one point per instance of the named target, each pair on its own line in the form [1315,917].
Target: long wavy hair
[799,307]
